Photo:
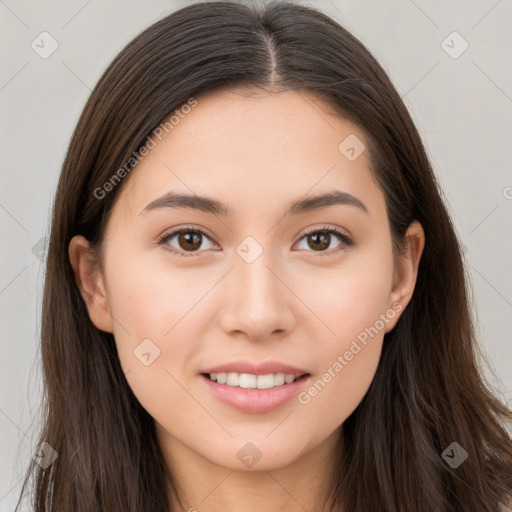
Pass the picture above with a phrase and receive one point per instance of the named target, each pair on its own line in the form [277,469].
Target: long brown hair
[428,391]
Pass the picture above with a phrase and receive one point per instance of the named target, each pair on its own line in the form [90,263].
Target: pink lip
[255,400]
[255,368]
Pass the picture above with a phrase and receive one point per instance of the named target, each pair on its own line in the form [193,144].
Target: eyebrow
[209,205]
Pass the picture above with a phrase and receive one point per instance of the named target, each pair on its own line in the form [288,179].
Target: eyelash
[346,241]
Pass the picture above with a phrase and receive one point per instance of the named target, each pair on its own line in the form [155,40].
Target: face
[256,290]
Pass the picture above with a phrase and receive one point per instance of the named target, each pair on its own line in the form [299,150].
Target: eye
[320,239]
[189,240]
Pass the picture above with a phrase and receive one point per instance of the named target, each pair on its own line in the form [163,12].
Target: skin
[257,153]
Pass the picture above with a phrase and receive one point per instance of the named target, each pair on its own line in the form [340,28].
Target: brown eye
[187,241]
[319,240]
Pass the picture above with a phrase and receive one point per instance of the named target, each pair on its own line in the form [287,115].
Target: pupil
[188,237]
[316,237]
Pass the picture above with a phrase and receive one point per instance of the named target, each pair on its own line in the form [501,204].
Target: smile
[275,393]
[251,381]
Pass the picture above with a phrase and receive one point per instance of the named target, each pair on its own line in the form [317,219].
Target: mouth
[252,393]
[253,381]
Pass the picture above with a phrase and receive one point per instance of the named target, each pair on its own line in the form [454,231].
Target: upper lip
[255,368]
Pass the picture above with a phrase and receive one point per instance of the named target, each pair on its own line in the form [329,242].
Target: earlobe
[90,283]
[407,271]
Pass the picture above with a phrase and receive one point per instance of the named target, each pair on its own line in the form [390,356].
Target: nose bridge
[257,286]
[256,302]
[256,278]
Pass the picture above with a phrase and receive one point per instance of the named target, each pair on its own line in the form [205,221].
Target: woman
[254,294]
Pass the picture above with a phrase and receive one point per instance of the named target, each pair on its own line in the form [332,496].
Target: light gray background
[462,107]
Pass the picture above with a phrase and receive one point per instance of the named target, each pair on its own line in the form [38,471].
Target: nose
[257,301]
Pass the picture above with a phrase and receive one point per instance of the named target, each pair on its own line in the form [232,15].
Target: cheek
[334,394]
[350,298]
[346,364]
[352,304]
[149,299]
[156,315]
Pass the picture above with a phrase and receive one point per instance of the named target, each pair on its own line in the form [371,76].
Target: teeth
[289,378]
[250,381]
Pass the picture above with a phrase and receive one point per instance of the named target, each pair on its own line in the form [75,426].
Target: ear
[406,272]
[90,282]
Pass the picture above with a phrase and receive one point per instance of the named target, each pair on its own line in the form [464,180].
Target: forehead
[253,148]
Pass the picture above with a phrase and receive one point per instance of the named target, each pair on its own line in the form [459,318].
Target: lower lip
[255,400]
